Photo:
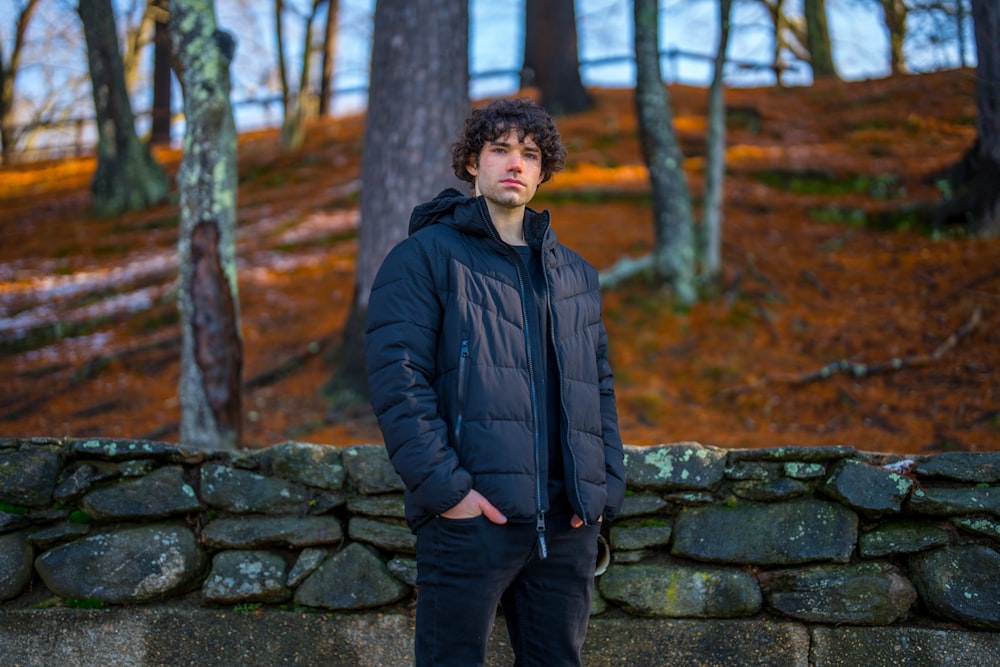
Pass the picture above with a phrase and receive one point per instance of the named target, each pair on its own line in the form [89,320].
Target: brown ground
[806,283]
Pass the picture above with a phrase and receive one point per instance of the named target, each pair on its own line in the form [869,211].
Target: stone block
[847,646]
[862,594]
[161,494]
[785,533]
[682,590]
[868,489]
[960,583]
[354,578]
[679,466]
[369,470]
[130,565]
[15,564]
[319,466]
[243,492]
[976,467]
[240,577]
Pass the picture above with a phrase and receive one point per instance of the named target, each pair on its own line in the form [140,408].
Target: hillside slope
[825,261]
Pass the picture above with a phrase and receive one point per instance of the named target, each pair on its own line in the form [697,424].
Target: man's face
[508,170]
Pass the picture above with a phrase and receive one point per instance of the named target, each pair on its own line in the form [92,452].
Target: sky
[860,44]
[496,43]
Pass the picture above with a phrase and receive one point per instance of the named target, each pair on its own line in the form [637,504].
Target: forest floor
[826,260]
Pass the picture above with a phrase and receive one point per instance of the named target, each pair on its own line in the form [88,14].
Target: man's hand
[472,505]
[576,521]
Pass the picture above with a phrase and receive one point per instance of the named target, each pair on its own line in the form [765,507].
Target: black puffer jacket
[450,375]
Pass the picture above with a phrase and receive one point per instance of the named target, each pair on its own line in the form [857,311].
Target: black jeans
[465,567]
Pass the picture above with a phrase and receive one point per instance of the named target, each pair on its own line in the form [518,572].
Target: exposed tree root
[625,268]
[859,370]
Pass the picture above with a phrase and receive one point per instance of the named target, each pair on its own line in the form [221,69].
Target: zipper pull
[543,549]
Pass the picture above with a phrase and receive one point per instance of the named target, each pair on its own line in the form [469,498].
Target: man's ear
[472,166]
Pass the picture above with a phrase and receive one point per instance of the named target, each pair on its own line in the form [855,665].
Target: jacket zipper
[543,550]
[463,371]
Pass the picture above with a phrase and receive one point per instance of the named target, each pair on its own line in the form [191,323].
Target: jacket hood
[470,215]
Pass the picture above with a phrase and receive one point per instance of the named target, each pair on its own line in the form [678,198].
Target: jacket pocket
[463,379]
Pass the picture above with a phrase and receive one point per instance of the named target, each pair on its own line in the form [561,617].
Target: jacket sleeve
[614,458]
[401,333]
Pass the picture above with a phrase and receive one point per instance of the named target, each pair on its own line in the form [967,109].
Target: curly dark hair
[497,119]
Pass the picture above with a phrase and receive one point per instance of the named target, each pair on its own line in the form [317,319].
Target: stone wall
[825,539]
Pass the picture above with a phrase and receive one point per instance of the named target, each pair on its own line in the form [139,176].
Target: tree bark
[8,75]
[127,177]
[818,37]
[298,103]
[986,210]
[551,56]
[414,114]
[674,246]
[894,12]
[212,347]
[160,121]
[715,157]
[329,54]
[776,11]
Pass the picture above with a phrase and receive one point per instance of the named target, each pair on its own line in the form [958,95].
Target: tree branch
[858,370]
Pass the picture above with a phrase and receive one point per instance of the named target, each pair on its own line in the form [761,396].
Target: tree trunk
[674,250]
[818,37]
[960,16]
[329,54]
[8,75]
[986,211]
[212,347]
[289,104]
[776,11]
[413,117]
[551,56]
[160,122]
[894,12]
[127,177]
[299,107]
[715,158]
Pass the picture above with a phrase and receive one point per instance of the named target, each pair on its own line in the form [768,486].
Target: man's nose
[515,162]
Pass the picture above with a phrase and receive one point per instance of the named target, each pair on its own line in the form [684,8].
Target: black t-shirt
[546,378]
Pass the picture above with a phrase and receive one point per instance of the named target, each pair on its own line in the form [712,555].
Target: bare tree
[986,207]
[8,77]
[329,52]
[413,116]
[775,10]
[139,27]
[551,56]
[212,348]
[943,28]
[790,36]
[895,12]
[673,257]
[159,132]
[818,39]
[127,177]
[296,102]
[715,158]
[960,16]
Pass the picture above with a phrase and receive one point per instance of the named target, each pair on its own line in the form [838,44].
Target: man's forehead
[512,137]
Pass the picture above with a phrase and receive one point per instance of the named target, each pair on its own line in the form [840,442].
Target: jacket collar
[470,216]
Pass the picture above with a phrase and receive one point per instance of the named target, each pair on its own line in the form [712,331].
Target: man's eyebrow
[528,148]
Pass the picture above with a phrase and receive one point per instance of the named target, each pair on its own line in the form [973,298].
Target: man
[488,371]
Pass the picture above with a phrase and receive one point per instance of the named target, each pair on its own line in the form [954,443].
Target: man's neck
[509,222]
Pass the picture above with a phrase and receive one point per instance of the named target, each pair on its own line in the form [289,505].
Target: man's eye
[531,156]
